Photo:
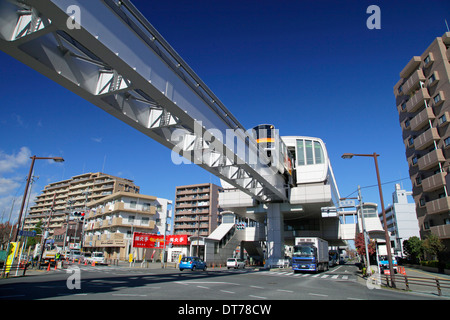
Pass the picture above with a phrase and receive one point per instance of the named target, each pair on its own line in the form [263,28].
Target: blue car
[192,263]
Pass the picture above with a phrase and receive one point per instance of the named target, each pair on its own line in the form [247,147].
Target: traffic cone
[48,268]
[93,263]
[85,262]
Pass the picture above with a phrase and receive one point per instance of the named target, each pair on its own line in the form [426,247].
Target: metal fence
[402,281]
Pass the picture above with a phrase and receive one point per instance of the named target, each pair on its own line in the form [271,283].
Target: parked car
[192,263]
[235,263]
[97,257]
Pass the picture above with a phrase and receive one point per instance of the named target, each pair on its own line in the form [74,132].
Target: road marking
[344,277]
[129,295]
[335,276]
[318,294]
[202,287]
[228,291]
[325,276]
[256,287]
[354,299]
[315,276]
[257,297]
[282,290]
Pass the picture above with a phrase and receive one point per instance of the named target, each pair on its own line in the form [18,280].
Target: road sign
[24,233]
[347,204]
[328,212]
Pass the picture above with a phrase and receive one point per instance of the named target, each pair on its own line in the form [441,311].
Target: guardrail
[407,281]
[12,270]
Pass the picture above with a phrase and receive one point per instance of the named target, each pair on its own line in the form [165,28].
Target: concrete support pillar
[275,236]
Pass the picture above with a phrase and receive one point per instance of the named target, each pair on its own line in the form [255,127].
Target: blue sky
[310,68]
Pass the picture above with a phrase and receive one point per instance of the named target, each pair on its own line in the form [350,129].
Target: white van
[97,257]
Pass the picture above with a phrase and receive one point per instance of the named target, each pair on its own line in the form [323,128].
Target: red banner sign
[148,240]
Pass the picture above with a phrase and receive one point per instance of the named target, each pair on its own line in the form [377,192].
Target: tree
[361,248]
[413,248]
[433,246]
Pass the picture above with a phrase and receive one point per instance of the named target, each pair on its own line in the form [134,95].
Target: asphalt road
[124,283]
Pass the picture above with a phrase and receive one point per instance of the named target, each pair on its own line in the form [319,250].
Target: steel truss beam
[109,54]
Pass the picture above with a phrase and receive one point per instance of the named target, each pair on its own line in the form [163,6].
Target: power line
[376,185]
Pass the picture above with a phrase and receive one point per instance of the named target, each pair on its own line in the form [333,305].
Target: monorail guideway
[106,52]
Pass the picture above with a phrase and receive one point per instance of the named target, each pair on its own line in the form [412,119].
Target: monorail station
[314,188]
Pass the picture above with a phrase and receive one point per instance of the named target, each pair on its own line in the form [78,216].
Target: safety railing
[410,282]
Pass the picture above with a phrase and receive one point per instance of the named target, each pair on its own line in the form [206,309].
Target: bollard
[438,286]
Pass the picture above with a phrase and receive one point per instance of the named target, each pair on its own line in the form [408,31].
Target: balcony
[422,119]
[434,182]
[438,206]
[412,65]
[442,231]
[426,139]
[413,82]
[417,100]
[431,159]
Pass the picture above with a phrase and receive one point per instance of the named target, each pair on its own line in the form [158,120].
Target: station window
[309,152]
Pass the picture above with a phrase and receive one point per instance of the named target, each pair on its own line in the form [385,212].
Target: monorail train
[269,141]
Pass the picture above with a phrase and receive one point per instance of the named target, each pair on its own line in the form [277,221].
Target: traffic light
[79,215]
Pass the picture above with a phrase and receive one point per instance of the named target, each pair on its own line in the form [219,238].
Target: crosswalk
[328,276]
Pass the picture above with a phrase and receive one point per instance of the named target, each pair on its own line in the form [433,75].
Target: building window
[427,60]
[447,141]
[422,202]
[407,123]
[300,153]
[442,119]
[318,153]
[410,141]
[309,152]
[437,98]
[418,180]
[403,105]
[400,89]
[447,221]
[432,79]
[133,204]
[414,160]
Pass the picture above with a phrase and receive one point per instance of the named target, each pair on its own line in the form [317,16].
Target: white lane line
[318,294]
[282,290]
[257,297]
[225,291]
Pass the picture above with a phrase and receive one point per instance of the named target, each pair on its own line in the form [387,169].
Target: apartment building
[112,220]
[196,209]
[401,219]
[71,195]
[423,103]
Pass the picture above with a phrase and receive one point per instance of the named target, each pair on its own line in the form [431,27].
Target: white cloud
[10,162]
[8,185]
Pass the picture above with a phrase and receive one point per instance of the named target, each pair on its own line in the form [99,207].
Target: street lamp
[33,159]
[386,233]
